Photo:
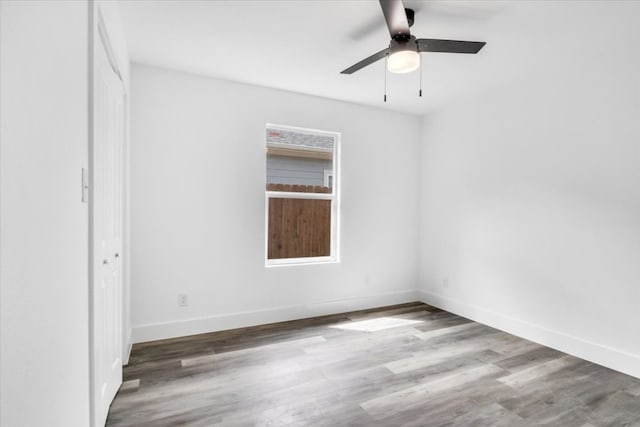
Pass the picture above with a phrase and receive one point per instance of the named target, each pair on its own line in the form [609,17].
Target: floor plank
[405,365]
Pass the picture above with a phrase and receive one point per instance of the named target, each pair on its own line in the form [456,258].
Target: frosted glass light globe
[404,61]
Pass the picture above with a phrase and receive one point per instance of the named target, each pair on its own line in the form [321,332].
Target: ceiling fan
[403,53]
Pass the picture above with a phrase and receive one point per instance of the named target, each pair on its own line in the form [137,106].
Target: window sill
[294,262]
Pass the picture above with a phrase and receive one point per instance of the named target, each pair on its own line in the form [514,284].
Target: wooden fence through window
[299,228]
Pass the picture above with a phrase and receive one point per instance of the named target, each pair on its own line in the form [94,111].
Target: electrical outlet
[445,282]
[182,300]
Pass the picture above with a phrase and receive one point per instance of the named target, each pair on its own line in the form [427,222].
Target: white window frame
[334,196]
[328,174]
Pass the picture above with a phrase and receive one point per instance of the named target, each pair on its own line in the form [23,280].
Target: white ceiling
[303,45]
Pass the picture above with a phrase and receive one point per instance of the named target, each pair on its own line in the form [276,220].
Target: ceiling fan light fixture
[403,56]
[403,62]
[403,53]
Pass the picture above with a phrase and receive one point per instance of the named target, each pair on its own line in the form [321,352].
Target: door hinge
[85,186]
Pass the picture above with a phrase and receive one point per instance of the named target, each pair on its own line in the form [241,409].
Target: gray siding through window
[296,170]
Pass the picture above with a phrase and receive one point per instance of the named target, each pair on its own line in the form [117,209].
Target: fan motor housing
[398,44]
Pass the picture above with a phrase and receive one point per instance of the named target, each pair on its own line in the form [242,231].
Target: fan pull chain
[386,60]
[420,72]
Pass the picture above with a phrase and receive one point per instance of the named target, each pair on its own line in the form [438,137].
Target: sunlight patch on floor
[377,324]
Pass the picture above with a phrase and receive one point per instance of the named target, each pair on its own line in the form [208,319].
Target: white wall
[198,177]
[530,195]
[44,337]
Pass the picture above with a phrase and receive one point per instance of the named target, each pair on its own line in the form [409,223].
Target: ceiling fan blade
[396,17]
[367,61]
[449,46]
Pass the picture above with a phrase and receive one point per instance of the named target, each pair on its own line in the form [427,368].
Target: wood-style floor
[407,365]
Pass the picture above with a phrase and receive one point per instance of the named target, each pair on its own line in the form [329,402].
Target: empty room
[319,213]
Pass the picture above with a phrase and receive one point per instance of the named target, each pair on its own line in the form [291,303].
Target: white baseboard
[618,360]
[220,322]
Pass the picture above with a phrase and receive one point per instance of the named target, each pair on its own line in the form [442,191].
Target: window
[301,196]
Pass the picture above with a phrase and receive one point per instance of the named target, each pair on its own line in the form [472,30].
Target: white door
[107,234]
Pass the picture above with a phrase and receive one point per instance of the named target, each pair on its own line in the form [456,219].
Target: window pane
[299,228]
[300,162]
